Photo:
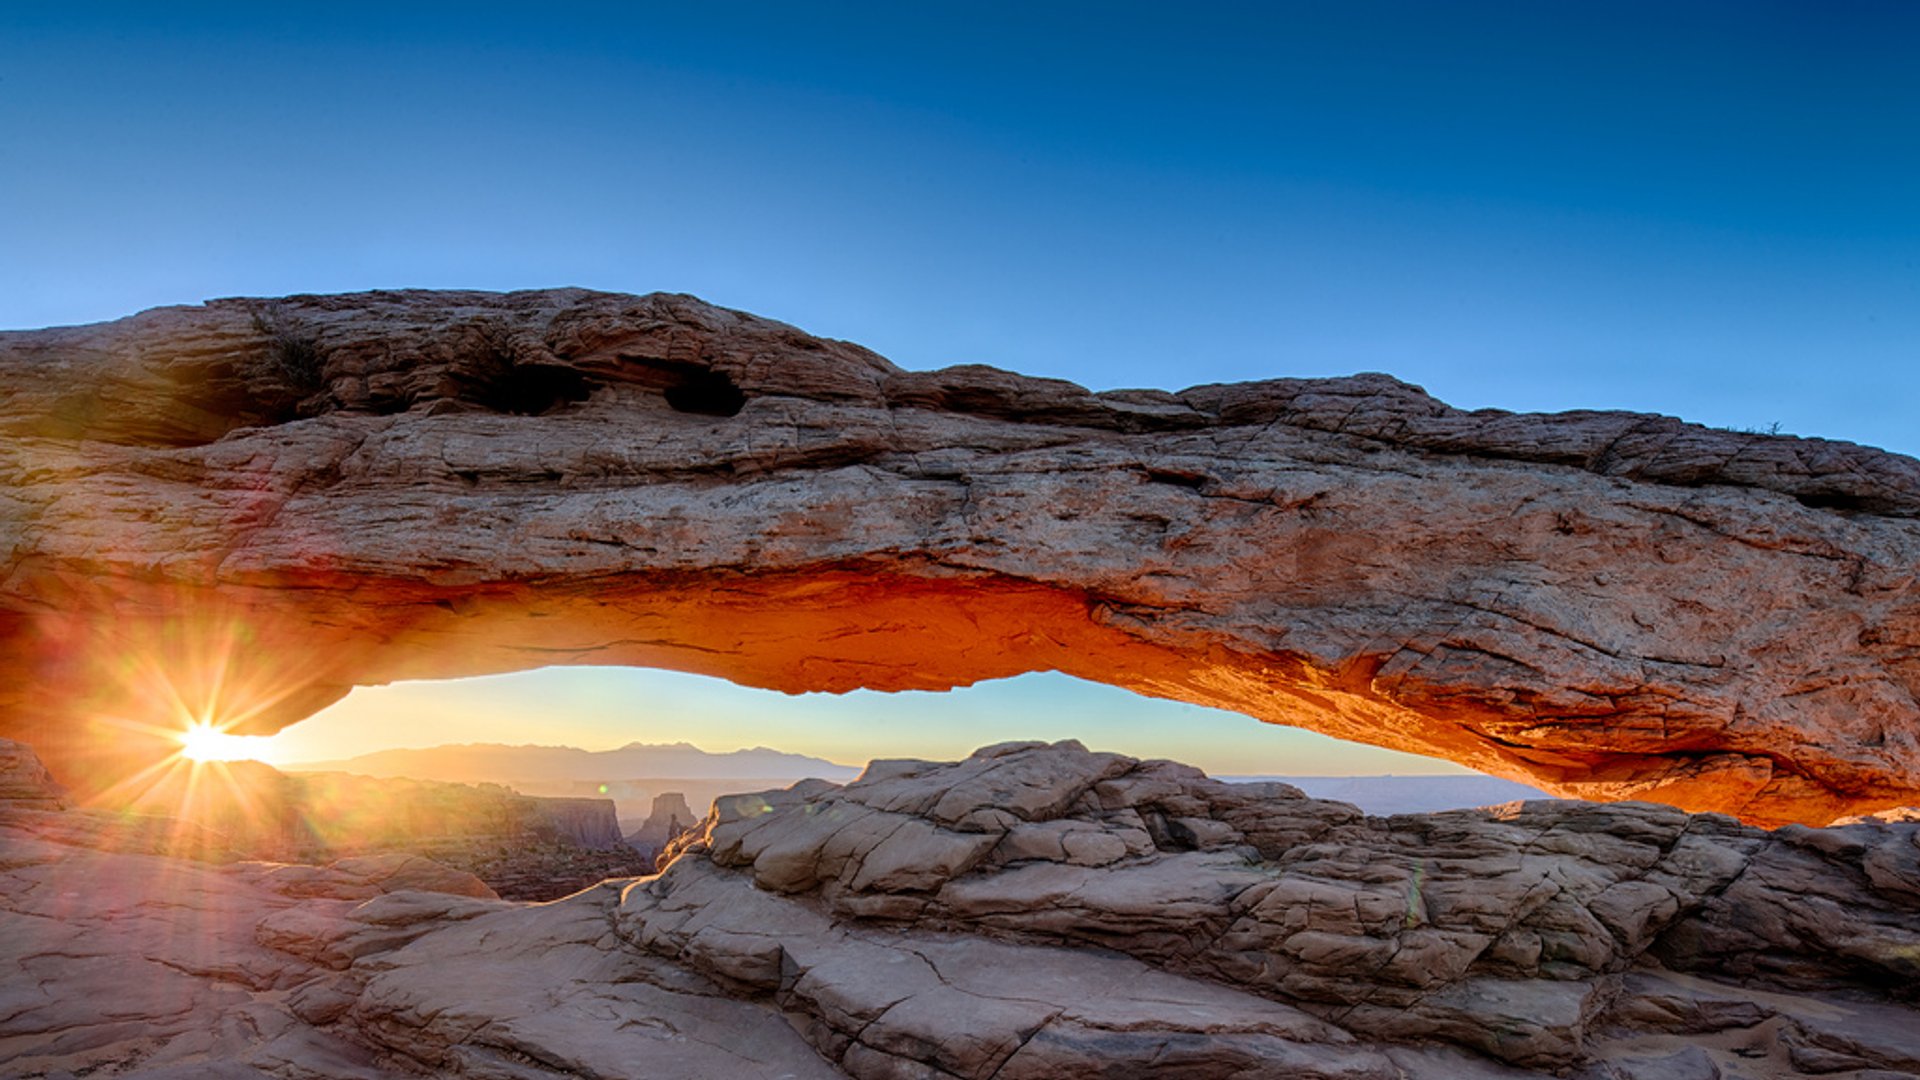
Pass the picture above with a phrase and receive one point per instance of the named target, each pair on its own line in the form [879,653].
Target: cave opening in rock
[708,393]
[535,390]
[687,386]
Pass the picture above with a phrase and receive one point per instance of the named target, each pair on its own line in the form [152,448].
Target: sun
[206,742]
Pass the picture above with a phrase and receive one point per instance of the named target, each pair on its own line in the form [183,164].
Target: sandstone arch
[264,503]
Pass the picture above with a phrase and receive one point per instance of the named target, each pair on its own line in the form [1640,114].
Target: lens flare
[206,742]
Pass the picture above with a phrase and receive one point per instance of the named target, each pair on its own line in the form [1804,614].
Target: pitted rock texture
[1032,912]
[319,492]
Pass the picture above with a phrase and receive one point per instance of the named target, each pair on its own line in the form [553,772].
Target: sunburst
[205,741]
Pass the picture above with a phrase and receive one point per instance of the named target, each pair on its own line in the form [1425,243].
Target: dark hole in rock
[688,387]
[1169,835]
[1833,500]
[1178,478]
[532,390]
[708,393]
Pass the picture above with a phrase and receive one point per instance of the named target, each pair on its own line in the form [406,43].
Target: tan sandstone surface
[238,511]
[1034,911]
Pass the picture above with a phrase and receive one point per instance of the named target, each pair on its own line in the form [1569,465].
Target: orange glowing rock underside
[252,669]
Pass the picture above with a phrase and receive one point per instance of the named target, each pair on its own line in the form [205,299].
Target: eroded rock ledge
[1033,911]
[316,492]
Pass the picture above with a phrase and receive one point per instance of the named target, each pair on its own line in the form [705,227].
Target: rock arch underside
[244,509]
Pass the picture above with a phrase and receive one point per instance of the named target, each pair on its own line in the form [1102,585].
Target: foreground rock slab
[286,498]
[1541,935]
[1035,911]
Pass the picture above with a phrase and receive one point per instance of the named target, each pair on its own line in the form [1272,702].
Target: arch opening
[455,765]
[597,708]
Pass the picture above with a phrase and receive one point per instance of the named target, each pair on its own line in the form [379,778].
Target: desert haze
[475,763]
[633,775]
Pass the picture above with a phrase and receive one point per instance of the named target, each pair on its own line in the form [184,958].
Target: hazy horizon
[287,762]
[600,709]
[306,765]
[572,772]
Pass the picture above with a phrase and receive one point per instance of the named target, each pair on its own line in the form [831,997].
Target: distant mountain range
[494,763]
[1383,795]
[633,774]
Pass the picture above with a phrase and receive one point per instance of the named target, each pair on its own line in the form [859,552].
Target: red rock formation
[242,510]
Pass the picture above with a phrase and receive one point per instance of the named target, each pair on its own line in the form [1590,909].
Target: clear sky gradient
[1705,209]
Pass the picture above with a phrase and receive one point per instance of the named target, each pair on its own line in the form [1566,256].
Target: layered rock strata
[1033,911]
[282,499]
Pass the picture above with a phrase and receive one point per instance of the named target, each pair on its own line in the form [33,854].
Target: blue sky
[1705,209]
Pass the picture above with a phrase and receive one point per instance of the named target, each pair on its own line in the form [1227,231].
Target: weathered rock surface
[1034,911]
[311,493]
[1511,932]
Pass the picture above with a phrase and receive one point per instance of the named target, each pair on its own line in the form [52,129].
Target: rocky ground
[1032,911]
